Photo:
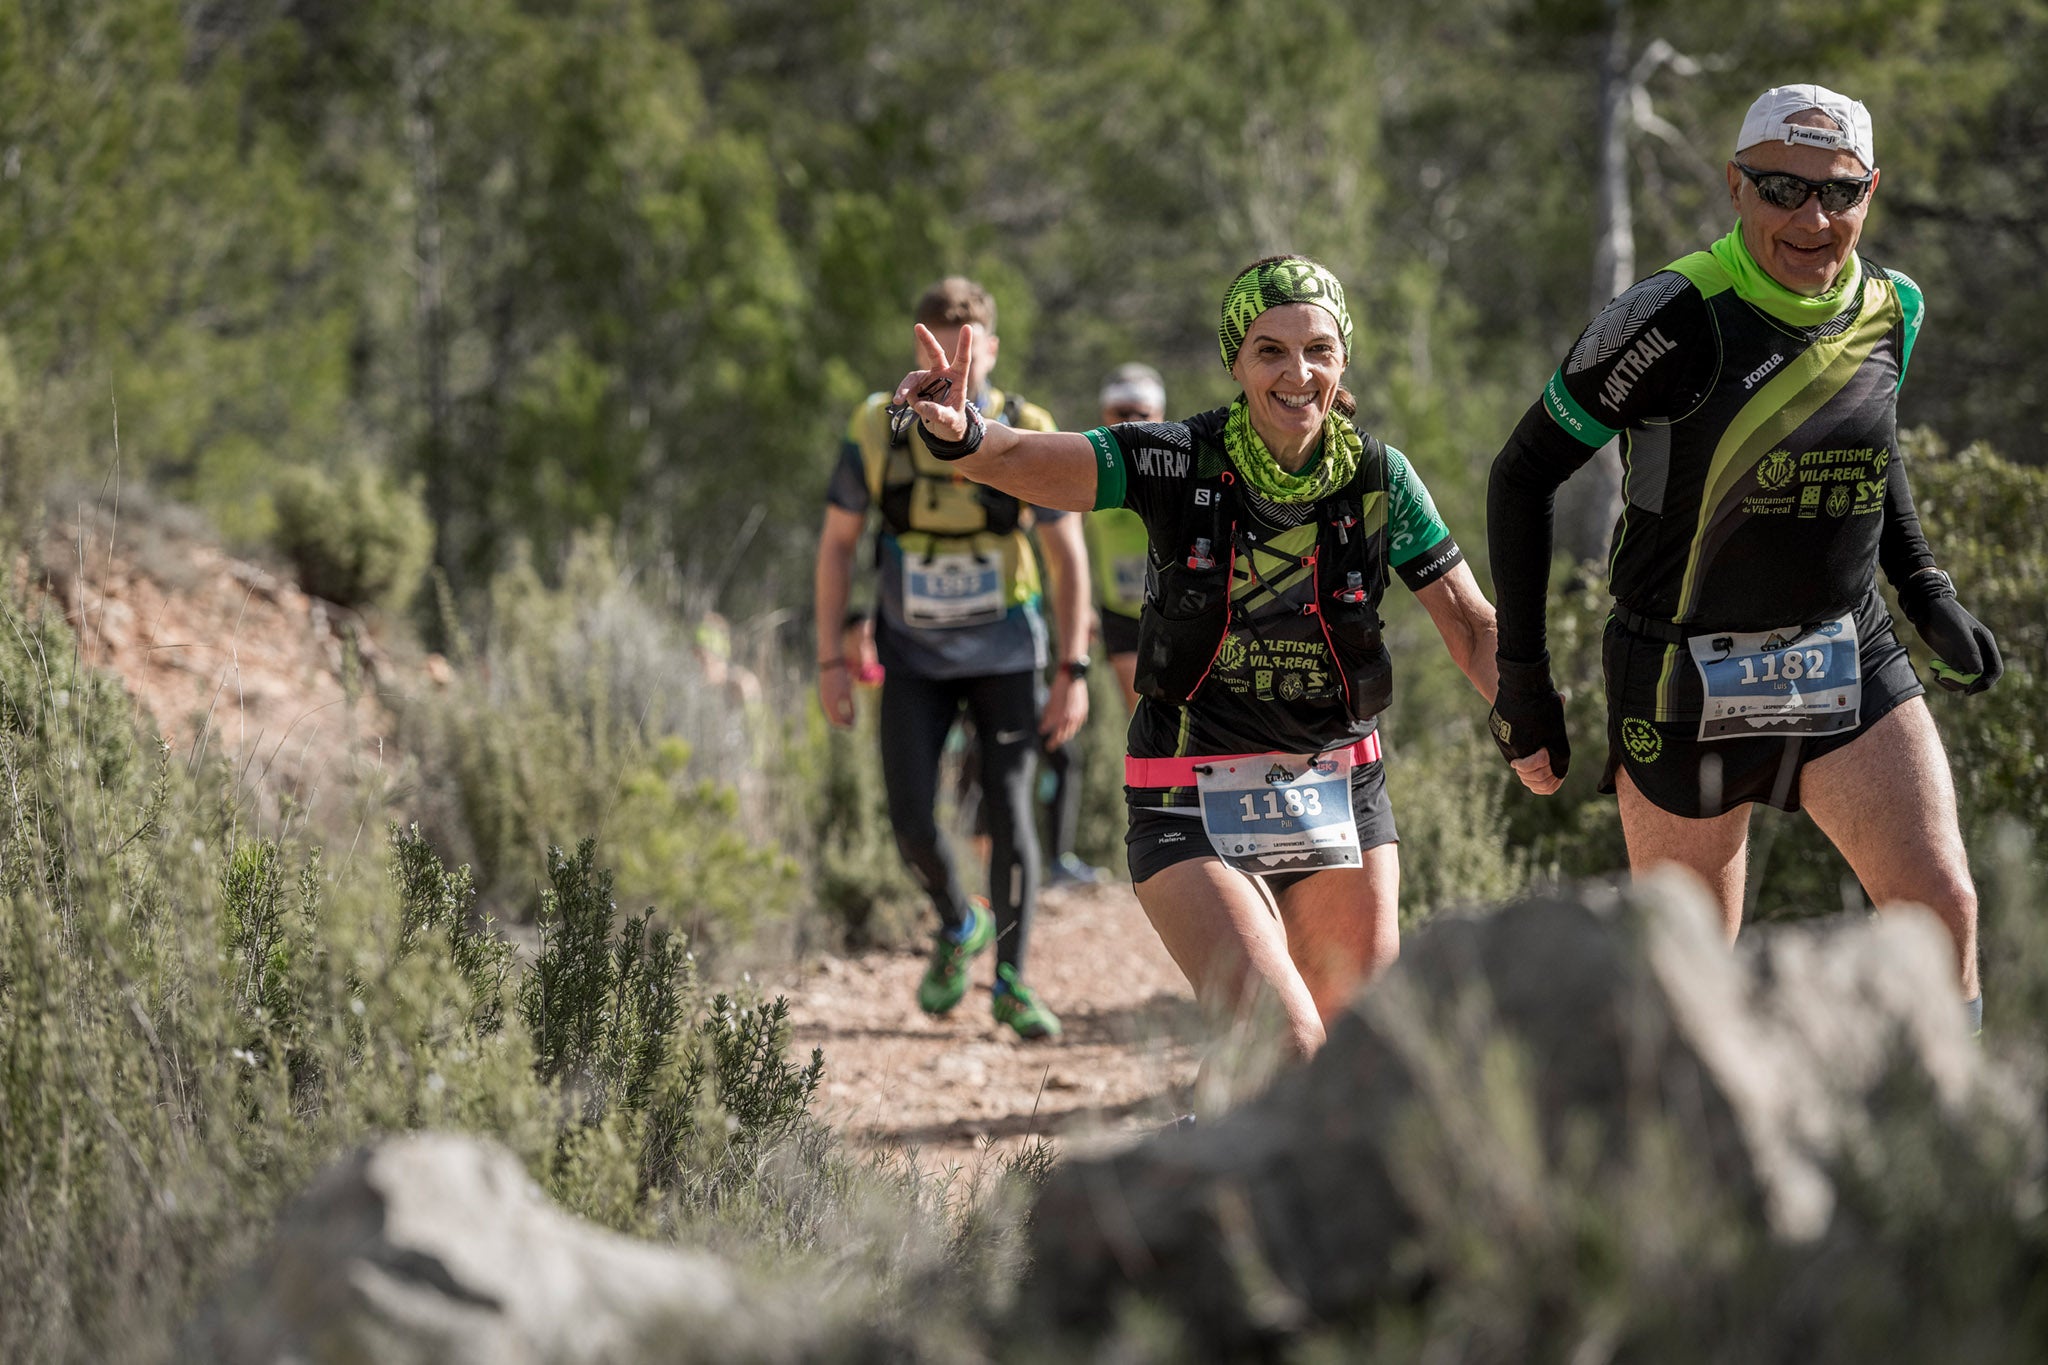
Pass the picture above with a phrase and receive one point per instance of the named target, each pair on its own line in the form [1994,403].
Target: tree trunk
[1590,501]
[437,456]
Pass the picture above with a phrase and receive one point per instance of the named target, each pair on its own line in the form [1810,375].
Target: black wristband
[960,449]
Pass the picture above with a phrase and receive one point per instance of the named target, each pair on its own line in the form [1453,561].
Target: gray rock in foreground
[1766,1069]
[438,1248]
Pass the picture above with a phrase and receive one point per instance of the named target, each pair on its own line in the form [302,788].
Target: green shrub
[195,1020]
[585,707]
[360,540]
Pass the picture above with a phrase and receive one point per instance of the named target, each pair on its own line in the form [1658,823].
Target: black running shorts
[1158,839]
[1685,775]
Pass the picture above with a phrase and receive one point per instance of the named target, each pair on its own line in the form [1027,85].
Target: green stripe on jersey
[1566,412]
[1111,479]
[1915,304]
[1415,527]
[1780,406]
[1708,275]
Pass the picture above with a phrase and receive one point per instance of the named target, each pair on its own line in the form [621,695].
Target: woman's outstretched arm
[1050,468]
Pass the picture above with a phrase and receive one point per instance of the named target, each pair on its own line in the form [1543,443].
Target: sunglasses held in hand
[901,415]
[1783,190]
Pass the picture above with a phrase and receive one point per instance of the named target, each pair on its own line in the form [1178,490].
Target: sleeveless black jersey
[1272,686]
[1759,471]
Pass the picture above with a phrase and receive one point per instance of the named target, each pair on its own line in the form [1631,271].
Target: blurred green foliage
[360,540]
[626,263]
[586,707]
[194,1020]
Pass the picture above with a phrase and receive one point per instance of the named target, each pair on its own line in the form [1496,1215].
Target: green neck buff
[1337,461]
[1753,285]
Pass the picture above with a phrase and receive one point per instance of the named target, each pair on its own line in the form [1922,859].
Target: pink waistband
[1180,772]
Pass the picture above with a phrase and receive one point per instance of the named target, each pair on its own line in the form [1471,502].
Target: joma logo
[1757,375]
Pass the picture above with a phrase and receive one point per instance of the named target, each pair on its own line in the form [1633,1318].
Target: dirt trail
[956,1086]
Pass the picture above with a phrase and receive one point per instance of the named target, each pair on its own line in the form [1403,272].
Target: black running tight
[916,715]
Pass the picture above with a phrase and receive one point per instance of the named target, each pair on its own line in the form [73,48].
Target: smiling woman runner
[1273,525]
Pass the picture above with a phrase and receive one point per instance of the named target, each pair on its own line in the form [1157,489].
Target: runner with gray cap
[1116,543]
[1749,658]
[1116,535]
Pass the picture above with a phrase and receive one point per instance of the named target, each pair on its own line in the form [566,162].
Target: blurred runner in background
[958,627]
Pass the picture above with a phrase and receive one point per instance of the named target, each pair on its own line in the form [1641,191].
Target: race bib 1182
[1785,682]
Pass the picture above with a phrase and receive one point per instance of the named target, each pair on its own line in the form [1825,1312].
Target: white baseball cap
[1134,385]
[1767,121]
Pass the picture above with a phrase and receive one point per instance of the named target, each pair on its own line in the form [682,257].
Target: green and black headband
[1287,279]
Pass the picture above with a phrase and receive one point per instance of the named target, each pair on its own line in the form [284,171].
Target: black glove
[1965,653]
[1528,714]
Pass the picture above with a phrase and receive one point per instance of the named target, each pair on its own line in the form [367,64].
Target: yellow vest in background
[931,508]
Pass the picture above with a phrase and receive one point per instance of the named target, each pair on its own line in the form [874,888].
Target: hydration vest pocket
[1181,629]
[1355,643]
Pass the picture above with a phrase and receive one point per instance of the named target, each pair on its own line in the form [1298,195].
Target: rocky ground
[956,1088]
[227,659]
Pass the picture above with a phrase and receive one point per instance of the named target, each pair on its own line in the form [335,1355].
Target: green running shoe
[945,980]
[1017,1005]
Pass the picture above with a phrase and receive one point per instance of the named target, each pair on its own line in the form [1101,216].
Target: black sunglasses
[901,415]
[1783,190]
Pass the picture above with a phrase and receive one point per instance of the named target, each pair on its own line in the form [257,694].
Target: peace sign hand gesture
[937,394]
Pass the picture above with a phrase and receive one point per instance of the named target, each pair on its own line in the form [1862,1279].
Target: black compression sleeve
[1519,501]
[1901,548]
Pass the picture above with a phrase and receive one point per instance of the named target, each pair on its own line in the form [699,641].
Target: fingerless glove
[1528,714]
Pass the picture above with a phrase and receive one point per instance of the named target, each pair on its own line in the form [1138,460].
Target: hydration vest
[929,508]
[1191,609]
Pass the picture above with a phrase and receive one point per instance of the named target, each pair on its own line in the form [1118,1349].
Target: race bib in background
[943,591]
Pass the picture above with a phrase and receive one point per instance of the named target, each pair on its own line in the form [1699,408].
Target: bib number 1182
[1791,666]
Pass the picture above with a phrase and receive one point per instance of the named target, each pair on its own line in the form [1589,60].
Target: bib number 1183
[1290,803]
[1267,813]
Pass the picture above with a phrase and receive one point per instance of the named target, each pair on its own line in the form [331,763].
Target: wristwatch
[1076,668]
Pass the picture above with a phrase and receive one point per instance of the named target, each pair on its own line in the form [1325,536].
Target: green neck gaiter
[1753,285]
[1338,459]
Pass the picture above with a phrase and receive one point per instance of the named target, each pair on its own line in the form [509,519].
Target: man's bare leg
[1714,849]
[1888,802]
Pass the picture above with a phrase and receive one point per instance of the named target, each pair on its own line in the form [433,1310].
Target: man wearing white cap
[1749,658]
[1117,559]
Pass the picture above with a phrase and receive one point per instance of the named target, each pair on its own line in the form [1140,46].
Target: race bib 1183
[1280,812]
